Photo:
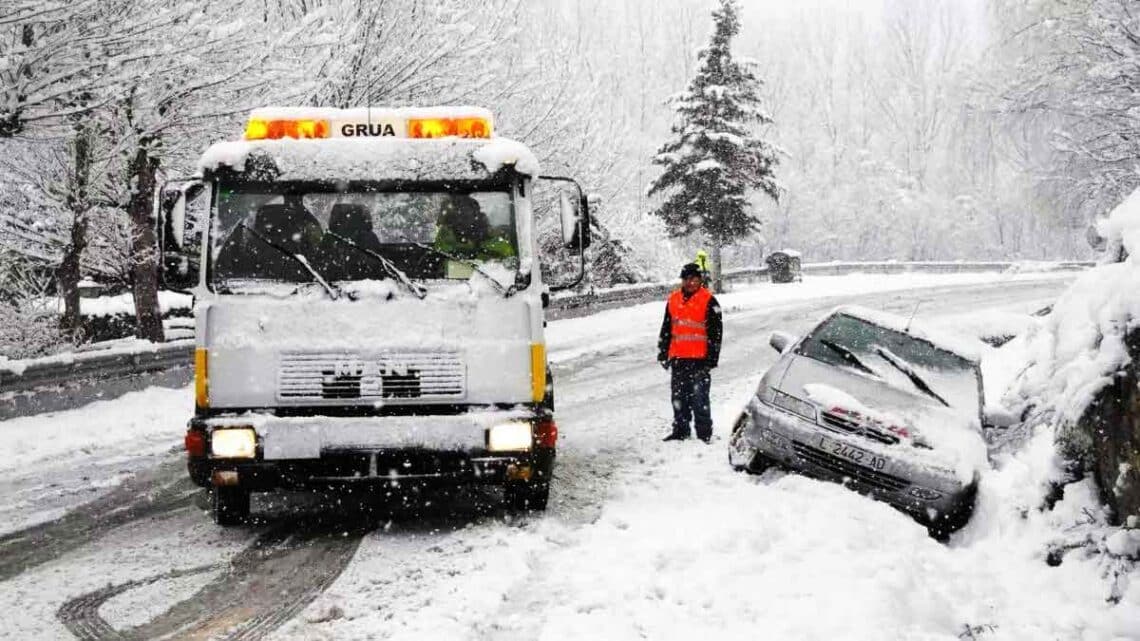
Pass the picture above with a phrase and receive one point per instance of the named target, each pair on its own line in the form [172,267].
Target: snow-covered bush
[1081,371]
[28,327]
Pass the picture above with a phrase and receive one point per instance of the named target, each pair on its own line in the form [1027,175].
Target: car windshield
[259,233]
[901,360]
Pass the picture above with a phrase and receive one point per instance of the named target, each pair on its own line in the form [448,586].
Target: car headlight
[509,437]
[238,442]
[796,406]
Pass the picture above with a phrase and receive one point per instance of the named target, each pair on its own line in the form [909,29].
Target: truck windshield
[359,235]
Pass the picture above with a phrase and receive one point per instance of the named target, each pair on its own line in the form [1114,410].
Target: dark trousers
[691,383]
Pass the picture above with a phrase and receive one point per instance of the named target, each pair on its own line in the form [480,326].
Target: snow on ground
[143,550]
[138,423]
[687,548]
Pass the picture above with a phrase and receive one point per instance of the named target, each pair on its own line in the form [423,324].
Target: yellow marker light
[258,129]
[201,382]
[239,442]
[537,372]
[509,437]
[442,127]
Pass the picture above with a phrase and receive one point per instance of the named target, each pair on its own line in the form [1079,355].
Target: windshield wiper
[388,265]
[848,356]
[906,369]
[506,291]
[300,259]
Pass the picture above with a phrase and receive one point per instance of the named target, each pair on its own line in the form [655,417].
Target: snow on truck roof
[414,144]
[966,347]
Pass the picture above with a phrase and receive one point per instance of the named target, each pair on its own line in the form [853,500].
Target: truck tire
[531,495]
[229,505]
[526,496]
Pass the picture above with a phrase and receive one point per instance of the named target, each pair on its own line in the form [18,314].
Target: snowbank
[1075,351]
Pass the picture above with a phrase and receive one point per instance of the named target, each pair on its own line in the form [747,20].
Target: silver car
[868,400]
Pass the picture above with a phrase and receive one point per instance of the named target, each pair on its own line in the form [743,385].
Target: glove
[665,362]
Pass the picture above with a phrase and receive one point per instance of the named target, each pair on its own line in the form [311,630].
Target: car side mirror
[780,341]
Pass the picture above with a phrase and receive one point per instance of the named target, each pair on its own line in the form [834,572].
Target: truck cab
[369,305]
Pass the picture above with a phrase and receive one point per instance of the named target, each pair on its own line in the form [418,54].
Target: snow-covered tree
[715,158]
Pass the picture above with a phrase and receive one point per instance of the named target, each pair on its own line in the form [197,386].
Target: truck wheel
[230,505]
[526,496]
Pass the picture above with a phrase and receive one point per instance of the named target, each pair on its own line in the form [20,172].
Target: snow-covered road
[642,539]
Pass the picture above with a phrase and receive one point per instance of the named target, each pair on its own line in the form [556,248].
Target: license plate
[853,454]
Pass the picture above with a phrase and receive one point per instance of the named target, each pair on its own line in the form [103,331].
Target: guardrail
[69,380]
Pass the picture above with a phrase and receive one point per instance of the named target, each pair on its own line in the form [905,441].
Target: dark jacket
[713,327]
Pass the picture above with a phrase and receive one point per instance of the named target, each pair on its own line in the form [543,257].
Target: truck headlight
[509,437]
[238,442]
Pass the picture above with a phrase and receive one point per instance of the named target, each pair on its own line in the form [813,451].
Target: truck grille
[867,476]
[848,426]
[373,377]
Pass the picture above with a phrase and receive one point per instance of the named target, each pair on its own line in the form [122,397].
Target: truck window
[424,234]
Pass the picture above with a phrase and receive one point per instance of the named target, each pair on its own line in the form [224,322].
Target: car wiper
[906,369]
[848,356]
[506,291]
[300,259]
[388,266]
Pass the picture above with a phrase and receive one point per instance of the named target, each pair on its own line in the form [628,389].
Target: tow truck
[369,304]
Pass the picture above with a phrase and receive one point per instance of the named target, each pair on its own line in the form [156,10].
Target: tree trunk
[68,274]
[144,245]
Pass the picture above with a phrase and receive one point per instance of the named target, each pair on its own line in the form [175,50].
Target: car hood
[953,434]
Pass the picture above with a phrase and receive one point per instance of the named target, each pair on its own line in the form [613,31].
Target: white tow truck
[369,305]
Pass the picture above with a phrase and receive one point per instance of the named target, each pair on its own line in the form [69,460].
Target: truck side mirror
[574,211]
[574,219]
[780,341]
[183,210]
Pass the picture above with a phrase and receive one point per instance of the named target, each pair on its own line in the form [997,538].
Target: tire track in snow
[267,584]
[151,493]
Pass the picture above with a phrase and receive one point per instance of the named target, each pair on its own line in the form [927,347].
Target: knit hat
[690,270]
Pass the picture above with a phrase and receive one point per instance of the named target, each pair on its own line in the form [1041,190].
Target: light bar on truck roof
[304,123]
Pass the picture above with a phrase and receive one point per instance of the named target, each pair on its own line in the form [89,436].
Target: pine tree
[714,159]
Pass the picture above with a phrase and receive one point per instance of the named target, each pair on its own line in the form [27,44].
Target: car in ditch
[874,401]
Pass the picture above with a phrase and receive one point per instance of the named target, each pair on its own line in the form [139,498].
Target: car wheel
[741,456]
[946,524]
[230,505]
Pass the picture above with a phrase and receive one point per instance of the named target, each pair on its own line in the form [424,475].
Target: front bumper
[926,492]
[325,451]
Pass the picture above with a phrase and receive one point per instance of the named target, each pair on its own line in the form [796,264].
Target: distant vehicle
[369,305]
[784,266]
[887,409]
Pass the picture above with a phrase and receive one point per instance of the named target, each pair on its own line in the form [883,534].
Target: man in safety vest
[690,346]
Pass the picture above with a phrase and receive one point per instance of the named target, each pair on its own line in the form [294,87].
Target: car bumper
[926,492]
[324,451]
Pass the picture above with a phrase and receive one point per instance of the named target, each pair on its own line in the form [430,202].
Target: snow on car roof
[966,347]
[376,158]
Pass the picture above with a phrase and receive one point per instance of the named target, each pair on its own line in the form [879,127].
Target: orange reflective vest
[689,332]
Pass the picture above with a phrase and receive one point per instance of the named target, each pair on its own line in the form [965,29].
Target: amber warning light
[258,129]
[351,124]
